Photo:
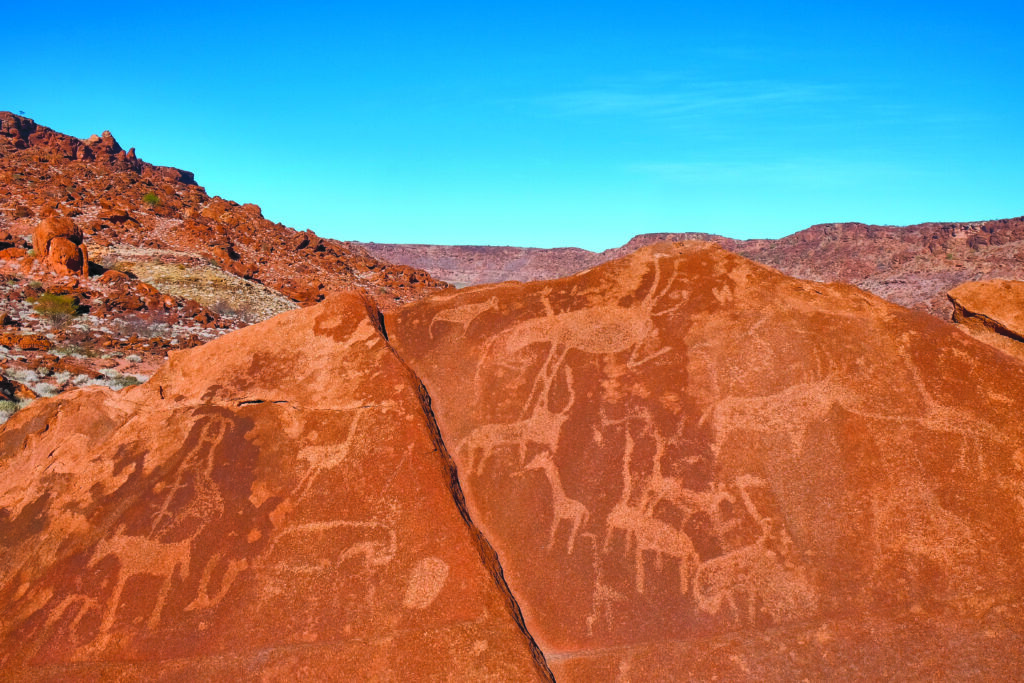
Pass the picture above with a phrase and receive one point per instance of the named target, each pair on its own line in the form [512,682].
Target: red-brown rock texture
[993,311]
[114,198]
[275,505]
[73,200]
[692,466]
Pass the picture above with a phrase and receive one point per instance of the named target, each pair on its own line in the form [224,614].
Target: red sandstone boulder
[12,253]
[992,311]
[275,505]
[59,241]
[694,467]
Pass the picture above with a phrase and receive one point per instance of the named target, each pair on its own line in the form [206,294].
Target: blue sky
[550,124]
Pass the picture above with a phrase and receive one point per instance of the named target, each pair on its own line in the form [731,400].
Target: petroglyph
[751,580]
[604,598]
[644,533]
[602,329]
[564,507]
[463,316]
[321,458]
[140,555]
[297,545]
[425,583]
[194,477]
[203,600]
[541,428]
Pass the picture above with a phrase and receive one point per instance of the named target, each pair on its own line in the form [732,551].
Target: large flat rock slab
[691,465]
[274,505]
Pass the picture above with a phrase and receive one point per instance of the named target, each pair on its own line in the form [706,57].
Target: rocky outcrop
[276,505]
[118,200]
[694,467]
[58,240]
[993,311]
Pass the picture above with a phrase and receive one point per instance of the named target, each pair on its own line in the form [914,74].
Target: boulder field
[676,465]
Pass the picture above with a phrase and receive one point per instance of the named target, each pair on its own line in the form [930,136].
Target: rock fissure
[963,316]
[488,555]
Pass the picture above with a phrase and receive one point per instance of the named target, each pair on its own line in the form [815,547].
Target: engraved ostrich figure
[564,507]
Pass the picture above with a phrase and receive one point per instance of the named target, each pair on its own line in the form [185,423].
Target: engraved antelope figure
[542,427]
[564,507]
[463,315]
[643,532]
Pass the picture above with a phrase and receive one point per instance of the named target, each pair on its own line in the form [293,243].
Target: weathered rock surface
[993,311]
[59,241]
[275,505]
[692,466]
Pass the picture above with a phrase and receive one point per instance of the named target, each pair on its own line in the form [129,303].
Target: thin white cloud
[683,99]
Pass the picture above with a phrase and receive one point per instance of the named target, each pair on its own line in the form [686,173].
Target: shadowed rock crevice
[488,555]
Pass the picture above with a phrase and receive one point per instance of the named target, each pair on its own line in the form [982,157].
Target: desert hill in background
[913,266]
[236,451]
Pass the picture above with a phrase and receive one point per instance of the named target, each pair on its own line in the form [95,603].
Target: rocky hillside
[679,465]
[108,262]
[913,266]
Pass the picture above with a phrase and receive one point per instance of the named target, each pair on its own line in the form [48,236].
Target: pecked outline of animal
[541,427]
[462,315]
[563,507]
[644,532]
[603,329]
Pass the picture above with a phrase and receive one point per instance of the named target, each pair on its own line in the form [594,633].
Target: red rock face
[274,505]
[992,311]
[693,466]
[59,241]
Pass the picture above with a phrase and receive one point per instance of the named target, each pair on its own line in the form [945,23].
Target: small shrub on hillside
[8,408]
[151,198]
[57,308]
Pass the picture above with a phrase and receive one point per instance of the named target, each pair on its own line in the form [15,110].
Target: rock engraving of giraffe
[602,329]
[564,507]
[542,427]
[462,316]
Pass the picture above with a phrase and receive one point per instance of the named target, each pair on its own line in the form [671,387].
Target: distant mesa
[912,266]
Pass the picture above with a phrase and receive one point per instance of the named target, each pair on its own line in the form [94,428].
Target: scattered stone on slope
[693,466]
[274,505]
[992,311]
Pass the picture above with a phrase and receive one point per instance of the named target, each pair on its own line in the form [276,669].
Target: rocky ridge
[912,266]
[145,261]
[676,465]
